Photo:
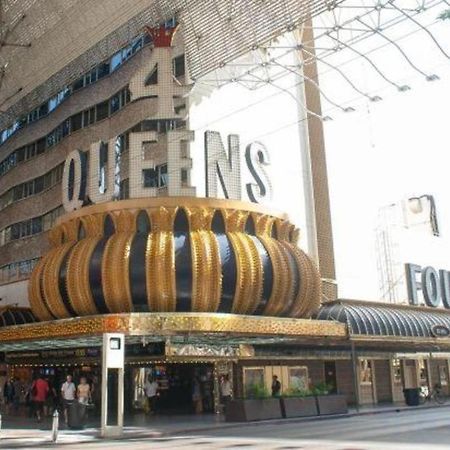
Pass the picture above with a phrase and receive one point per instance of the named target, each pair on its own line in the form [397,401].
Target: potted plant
[328,403]
[298,402]
[258,405]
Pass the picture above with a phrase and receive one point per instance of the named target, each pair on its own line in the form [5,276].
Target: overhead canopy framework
[216,32]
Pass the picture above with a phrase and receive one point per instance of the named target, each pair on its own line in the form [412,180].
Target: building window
[155,178]
[253,381]
[115,103]
[17,270]
[365,371]
[92,76]
[77,122]
[153,77]
[396,371]
[102,111]
[179,68]
[184,177]
[124,189]
[298,379]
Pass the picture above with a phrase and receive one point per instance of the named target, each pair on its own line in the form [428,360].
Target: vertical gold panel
[280,285]
[288,274]
[37,300]
[160,269]
[115,273]
[78,286]
[50,278]
[249,281]
[206,271]
[308,298]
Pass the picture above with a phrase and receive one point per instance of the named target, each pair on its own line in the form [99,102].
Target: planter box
[332,404]
[298,406]
[245,410]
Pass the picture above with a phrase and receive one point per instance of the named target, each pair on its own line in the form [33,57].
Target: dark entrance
[330,376]
[177,384]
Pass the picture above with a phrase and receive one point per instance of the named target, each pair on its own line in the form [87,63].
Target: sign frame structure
[113,357]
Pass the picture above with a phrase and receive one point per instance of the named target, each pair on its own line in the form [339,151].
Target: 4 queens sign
[95,176]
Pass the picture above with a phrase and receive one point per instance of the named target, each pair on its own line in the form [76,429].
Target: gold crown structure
[174,254]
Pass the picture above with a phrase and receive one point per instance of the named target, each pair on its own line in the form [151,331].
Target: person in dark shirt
[276,387]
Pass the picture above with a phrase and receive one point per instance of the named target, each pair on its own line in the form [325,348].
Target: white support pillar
[113,357]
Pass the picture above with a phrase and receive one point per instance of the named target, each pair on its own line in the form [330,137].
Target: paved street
[420,429]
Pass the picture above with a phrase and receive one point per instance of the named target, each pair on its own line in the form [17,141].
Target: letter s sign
[257,157]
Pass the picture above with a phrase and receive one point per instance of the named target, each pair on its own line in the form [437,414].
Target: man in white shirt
[226,390]
[68,391]
[151,392]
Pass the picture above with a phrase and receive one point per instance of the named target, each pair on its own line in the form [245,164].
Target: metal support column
[315,174]
[355,375]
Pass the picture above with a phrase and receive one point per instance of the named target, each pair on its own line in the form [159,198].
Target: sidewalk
[20,432]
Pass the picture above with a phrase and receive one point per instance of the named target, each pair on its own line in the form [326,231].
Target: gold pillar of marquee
[174,254]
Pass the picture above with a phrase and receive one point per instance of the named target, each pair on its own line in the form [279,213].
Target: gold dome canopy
[174,254]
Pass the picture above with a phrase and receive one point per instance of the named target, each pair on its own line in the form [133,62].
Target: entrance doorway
[182,388]
[330,376]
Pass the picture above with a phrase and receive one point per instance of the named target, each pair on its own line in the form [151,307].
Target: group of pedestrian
[42,397]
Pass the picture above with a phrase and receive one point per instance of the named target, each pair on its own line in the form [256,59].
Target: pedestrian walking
[8,394]
[39,392]
[225,390]
[151,392]
[84,391]
[276,386]
[68,391]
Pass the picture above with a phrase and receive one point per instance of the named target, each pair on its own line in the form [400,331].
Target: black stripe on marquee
[183,271]
[267,275]
[95,277]
[8,318]
[229,273]
[62,284]
[137,272]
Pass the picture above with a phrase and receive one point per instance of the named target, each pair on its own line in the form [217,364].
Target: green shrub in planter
[257,391]
[297,392]
[321,389]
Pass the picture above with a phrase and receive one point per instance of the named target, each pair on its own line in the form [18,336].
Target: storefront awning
[381,319]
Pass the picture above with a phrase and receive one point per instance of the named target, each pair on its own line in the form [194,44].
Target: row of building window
[80,120]
[89,117]
[30,227]
[152,177]
[97,73]
[17,270]
[32,187]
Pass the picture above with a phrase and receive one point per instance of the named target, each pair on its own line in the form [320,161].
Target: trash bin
[76,415]
[412,396]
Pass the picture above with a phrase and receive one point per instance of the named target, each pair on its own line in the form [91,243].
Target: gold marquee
[174,255]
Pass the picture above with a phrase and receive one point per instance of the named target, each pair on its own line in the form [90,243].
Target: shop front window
[443,375]
[423,373]
[365,371]
[253,381]
[396,371]
[298,379]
